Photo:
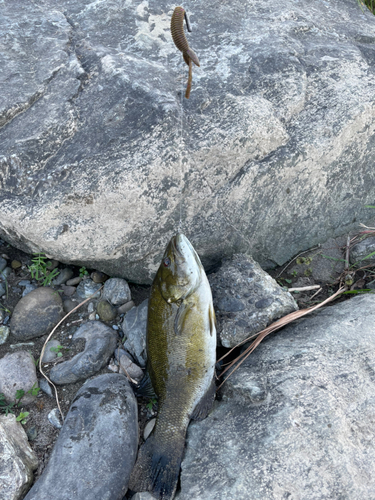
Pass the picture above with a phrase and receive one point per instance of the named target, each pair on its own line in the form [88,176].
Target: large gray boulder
[296,419]
[277,139]
[97,445]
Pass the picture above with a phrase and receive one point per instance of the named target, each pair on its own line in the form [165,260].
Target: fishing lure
[179,38]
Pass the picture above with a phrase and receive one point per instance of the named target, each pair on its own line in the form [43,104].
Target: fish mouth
[176,244]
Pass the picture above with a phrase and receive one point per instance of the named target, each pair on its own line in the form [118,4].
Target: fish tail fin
[193,56]
[157,469]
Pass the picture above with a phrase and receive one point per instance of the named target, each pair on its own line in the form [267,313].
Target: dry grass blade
[45,344]
[272,328]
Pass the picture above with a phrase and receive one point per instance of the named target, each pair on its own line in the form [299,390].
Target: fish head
[180,269]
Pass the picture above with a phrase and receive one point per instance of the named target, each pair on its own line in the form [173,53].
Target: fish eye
[167,262]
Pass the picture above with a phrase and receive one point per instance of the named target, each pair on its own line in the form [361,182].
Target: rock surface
[96,447]
[246,299]
[36,314]
[116,291]
[91,115]
[296,420]
[17,459]
[17,371]
[100,344]
[134,327]
[361,250]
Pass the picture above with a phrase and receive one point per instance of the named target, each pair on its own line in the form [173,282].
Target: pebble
[6,273]
[3,264]
[2,315]
[45,387]
[101,342]
[52,264]
[74,281]
[106,311]
[98,277]
[127,367]
[92,317]
[64,275]
[91,307]
[115,327]
[15,264]
[125,307]
[2,289]
[54,418]
[4,334]
[116,291]
[17,371]
[6,320]
[68,290]
[32,433]
[49,355]
[29,288]
[149,428]
[24,282]
[86,288]
[69,305]
[114,368]
[36,314]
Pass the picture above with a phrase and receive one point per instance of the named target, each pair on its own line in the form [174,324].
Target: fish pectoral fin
[186,58]
[212,319]
[205,404]
[180,317]
[145,388]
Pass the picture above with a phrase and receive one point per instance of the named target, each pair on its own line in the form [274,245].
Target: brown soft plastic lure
[179,38]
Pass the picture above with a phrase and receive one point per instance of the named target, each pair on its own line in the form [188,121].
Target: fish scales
[181,347]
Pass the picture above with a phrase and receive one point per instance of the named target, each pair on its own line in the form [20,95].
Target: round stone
[36,314]
[106,311]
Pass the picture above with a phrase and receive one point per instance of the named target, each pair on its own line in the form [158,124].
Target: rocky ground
[241,290]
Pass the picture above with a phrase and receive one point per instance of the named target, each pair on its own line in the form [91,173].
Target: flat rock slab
[36,313]
[96,448]
[17,459]
[246,299]
[296,419]
[101,341]
[277,141]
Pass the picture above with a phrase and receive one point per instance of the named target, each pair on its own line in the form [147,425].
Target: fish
[181,350]
[180,40]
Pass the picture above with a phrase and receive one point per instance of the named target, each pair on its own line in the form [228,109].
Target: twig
[272,328]
[304,288]
[316,293]
[49,336]
[347,253]
[296,257]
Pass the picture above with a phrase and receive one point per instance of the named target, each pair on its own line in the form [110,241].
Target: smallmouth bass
[181,349]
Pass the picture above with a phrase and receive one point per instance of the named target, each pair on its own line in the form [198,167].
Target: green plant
[59,350]
[22,417]
[83,272]
[39,269]
[294,274]
[151,403]
[4,406]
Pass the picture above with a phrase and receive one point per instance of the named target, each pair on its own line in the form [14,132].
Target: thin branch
[49,336]
[304,288]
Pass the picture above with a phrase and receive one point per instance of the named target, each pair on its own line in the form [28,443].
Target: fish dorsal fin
[212,319]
